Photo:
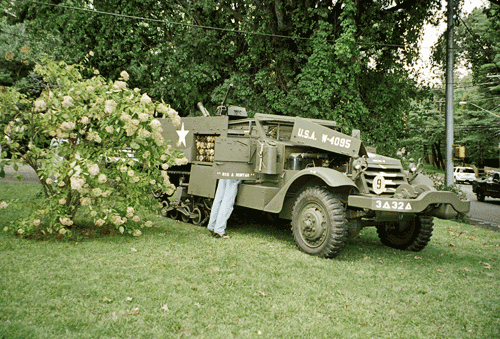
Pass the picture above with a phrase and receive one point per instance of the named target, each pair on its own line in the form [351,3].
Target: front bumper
[430,202]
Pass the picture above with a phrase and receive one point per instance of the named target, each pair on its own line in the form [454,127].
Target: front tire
[319,223]
[412,234]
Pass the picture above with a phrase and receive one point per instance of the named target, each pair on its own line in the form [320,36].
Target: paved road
[485,214]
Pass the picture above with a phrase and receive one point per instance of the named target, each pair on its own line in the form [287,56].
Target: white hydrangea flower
[85,120]
[40,105]
[93,169]
[85,201]
[145,99]
[68,126]
[170,189]
[110,106]
[67,101]
[155,124]
[143,134]
[109,129]
[62,231]
[94,136]
[36,222]
[3,205]
[136,218]
[130,212]
[124,75]
[117,220]
[66,221]
[77,183]
[143,117]
[102,178]
[62,201]
[137,233]
[181,161]
[120,85]
[176,121]
[125,117]
[99,222]
[96,192]
[130,173]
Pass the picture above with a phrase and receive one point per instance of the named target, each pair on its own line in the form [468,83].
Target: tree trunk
[440,156]
[434,156]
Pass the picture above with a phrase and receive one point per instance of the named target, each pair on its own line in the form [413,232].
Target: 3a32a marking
[393,205]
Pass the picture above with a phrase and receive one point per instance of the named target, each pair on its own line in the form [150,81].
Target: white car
[464,174]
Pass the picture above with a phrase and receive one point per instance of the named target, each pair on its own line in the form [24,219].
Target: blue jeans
[223,205]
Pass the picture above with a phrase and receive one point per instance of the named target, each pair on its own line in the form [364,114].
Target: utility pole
[449,96]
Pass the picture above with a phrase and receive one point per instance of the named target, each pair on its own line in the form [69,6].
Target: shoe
[212,232]
[221,236]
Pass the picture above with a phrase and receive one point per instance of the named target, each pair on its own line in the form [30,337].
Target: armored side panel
[311,134]
[255,196]
[202,182]
[234,158]
[184,137]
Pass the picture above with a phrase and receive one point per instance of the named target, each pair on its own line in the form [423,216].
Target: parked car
[487,188]
[464,174]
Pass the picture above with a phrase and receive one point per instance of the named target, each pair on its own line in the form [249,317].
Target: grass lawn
[177,282]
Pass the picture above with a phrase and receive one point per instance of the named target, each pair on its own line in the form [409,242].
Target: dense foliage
[74,136]
[339,60]
[477,119]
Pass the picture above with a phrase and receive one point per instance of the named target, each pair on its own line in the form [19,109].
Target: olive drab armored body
[306,171]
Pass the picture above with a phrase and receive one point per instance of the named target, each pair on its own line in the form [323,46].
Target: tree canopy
[340,60]
[477,119]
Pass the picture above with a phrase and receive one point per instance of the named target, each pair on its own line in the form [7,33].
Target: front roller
[412,233]
[319,223]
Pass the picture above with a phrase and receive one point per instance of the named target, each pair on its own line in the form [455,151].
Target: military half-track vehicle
[306,171]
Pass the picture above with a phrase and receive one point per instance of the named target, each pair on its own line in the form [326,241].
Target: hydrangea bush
[78,137]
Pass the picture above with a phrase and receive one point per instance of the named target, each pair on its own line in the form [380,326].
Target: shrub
[74,135]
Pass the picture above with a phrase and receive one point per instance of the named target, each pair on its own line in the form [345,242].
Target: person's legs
[219,194]
[226,206]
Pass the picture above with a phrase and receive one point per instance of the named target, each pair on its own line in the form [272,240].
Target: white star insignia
[182,136]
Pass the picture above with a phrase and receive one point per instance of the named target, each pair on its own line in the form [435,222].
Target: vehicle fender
[329,176]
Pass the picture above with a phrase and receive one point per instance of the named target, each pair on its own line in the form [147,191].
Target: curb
[485,224]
